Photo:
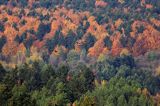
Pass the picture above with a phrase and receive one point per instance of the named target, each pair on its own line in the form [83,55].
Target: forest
[79,52]
[113,81]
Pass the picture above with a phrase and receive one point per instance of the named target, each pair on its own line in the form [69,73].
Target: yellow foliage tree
[124,51]
[158,71]
[101,57]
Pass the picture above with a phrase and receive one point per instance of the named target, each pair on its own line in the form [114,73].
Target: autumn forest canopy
[79,52]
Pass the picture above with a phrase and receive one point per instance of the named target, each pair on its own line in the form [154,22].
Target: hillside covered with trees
[80,52]
[109,82]
[100,27]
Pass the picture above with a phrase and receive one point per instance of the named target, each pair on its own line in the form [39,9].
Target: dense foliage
[99,27]
[79,52]
[112,82]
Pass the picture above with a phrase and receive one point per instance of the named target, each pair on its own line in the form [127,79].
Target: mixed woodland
[79,52]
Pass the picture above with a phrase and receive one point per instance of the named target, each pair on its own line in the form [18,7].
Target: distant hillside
[51,28]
